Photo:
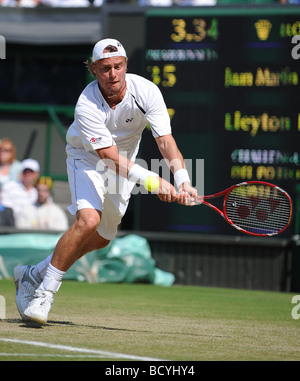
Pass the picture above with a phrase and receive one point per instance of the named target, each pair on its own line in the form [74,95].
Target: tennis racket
[254,207]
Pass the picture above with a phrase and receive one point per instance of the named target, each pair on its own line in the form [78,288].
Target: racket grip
[194,200]
[197,200]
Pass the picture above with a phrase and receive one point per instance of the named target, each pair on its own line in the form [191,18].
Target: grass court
[137,322]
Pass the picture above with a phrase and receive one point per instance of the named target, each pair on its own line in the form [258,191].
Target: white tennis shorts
[97,189]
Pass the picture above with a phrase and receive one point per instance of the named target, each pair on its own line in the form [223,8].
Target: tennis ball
[152,183]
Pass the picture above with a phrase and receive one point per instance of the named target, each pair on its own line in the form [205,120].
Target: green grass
[176,323]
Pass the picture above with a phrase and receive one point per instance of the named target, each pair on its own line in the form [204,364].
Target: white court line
[82,350]
[45,355]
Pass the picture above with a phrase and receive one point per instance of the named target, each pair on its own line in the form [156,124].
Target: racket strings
[267,213]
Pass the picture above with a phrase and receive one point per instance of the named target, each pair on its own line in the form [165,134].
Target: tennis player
[110,116]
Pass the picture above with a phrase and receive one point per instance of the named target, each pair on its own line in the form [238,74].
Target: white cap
[102,44]
[30,164]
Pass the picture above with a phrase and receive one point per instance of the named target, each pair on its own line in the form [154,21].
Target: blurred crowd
[26,200]
[98,3]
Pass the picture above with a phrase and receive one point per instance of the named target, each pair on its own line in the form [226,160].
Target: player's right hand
[187,194]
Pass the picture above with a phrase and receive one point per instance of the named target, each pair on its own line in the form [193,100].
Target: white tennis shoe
[26,285]
[40,306]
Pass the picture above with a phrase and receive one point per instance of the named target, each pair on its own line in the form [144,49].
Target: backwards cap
[102,44]
[45,180]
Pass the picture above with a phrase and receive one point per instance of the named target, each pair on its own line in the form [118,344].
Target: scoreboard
[230,79]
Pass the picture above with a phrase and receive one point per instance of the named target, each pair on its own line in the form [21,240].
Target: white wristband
[138,174]
[181,176]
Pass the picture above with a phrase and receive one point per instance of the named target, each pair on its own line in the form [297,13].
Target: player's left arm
[174,159]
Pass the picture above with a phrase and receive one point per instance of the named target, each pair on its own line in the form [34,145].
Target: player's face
[110,73]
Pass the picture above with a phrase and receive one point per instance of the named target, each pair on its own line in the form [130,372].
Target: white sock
[53,273]
[52,279]
[39,271]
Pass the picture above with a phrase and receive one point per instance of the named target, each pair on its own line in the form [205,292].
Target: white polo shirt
[96,125]
[17,197]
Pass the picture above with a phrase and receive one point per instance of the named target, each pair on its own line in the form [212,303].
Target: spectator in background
[51,3]
[10,167]
[18,194]
[156,3]
[6,215]
[195,3]
[20,3]
[44,214]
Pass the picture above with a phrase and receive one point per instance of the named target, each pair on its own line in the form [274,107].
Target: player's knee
[88,221]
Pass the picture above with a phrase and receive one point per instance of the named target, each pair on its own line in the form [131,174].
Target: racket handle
[194,200]
[197,200]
